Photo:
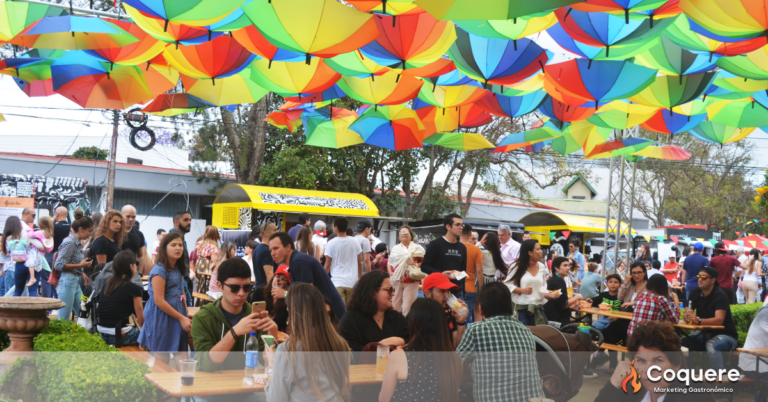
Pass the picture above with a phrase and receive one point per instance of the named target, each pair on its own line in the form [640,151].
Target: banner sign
[20,191]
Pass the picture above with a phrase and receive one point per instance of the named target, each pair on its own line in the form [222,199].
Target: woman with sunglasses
[370,317]
[403,256]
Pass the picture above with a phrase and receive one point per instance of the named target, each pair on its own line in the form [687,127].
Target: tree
[91,153]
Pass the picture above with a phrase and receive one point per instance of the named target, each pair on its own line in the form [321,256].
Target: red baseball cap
[438,280]
[283,269]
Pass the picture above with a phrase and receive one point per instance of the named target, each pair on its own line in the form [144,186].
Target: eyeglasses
[33,215]
[236,288]
[705,277]
[405,232]
[390,289]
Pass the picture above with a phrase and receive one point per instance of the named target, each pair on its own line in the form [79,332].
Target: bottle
[251,356]
[690,307]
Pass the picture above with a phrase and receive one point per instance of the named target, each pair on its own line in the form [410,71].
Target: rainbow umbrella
[618,148]
[187,12]
[715,92]
[621,6]
[513,29]
[219,58]
[68,32]
[384,90]
[669,91]
[328,127]
[667,121]
[671,59]
[32,71]
[453,96]
[719,133]
[527,138]
[146,48]
[564,39]
[733,19]
[597,81]
[416,41]
[232,21]
[17,16]
[753,65]
[524,87]
[392,127]
[323,28]
[233,90]
[579,135]
[459,141]
[666,152]
[175,104]
[92,83]
[554,109]
[434,69]
[355,65]
[512,106]
[667,10]
[438,120]
[170,32]
[449,79]
[329,94]
[390,7]
[256,43]
[288,120]
[732,82]
[458,10]
[681,33]
[738,113]
[294,79]
[496,61]
[39,88]
[620,115]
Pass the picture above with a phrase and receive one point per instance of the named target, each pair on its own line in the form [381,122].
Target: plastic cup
[187,369]
[459,308]
[382,357]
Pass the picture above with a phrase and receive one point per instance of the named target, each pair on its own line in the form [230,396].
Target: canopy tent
[545,222]
[234,205]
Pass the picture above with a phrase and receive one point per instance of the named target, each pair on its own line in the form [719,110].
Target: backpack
[18,251]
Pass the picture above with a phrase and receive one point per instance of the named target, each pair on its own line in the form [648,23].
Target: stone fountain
[23,317]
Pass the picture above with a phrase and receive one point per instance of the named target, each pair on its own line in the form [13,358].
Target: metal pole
[630,239]
[607,223]
[77,9]
[112,161]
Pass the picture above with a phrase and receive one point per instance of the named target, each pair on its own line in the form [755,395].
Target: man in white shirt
[510,249]
[362,233]
[319,238]
[156,245]
[343,259]
[28,218]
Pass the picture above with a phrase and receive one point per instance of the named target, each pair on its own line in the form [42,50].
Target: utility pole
[112,160]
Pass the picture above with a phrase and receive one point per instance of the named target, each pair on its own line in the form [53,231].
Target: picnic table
[231,381]
[628,316]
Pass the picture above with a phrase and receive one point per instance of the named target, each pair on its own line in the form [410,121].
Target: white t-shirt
[344,253]
[365,243]
[319,241]
[250,264]
[155,246]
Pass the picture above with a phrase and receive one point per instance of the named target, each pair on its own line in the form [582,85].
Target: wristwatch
[699,318]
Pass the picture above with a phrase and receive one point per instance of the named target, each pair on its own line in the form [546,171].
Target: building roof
[703,227]
[574,180]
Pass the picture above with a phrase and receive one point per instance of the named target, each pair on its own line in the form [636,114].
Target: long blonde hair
[46,225]
[223,255]
[304,241]
[311,329]
[104,227]
[210,236]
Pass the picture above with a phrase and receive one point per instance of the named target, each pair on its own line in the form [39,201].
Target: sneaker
[600,359]
[589,374]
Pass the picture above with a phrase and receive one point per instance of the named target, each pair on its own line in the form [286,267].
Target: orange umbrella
[252,39]
[135,53]
[219,58]
[383,90]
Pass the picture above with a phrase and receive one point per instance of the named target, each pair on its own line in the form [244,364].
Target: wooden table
[760,354]
[231,381]
[191,311]
[628,316]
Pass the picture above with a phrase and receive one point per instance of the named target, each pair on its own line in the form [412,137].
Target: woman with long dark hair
[644,254]
[493,265]
[634,285]
[527,281]
[120,300]
[753,271]
[109,237]
[305,245]
[427,368]
[70,263]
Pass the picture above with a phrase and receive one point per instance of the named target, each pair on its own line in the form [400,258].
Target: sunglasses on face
[705,277]
[405,233]
[236,288]
[390,290]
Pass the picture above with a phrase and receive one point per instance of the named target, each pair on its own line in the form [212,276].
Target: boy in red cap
[438,287]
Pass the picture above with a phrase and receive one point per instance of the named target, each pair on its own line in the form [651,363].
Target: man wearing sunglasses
[28,218]
[221,329]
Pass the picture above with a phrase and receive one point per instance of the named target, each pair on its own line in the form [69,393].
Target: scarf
[400,255]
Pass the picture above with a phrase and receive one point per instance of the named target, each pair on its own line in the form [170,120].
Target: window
[135,161]
[579,197]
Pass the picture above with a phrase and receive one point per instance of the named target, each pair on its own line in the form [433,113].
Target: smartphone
[269,341]
[259,306]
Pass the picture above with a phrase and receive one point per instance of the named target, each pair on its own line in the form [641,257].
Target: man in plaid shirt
[500,349]
[653,305]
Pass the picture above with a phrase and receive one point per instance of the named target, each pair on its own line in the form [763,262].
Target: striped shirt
[70,252]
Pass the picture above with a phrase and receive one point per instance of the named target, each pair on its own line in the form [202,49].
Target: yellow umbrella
[237,89]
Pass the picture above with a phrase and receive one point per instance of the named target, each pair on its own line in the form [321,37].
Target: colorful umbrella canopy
[623,6]
[733,19]
[449,79]
[175,104]
[17,16]
[146,48]
[732,82]
[666,121]
[669,9]
[446,97]
[355,65]
[232,21]
[323,28]
[618,148]
[599,80]
[576,135]
[32,71]
[513,29]
[39,88]
[714,92]
[92,83]
[233,90]
[459,141]
[554,109]
[719,133]
[391,7]
[669,91]
[170,32]
[188,12]
[512,106]
[294,79]
[524,87]
[415,42]
[671,59]
[329,94]
[565,41]
[68,32]
[438,120]
[219,58]
[739,113]
[666,152]
[527,138]
[434,69]
[384,90]
[289,120]
[328,127]
[753,65]
[256,43]
[496,61]
[392,127]
[459,10]
[680,32]
[620,115]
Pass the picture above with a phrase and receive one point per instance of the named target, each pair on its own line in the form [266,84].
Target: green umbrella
[513,29]
[618,148]
[670,91]
[752,65]
[740,113]
[459,10]
[719,133]
[459,141]
[579,135]
[671,59]
[16,16]
[620,115]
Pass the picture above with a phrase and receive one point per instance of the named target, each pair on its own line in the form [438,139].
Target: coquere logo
[632,379]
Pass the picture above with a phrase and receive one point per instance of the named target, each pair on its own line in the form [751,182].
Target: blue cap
[698,246]
[253,334]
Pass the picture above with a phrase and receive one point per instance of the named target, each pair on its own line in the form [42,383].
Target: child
[613,283]
[42,240]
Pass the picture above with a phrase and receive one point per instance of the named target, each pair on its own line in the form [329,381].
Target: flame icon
[633,379]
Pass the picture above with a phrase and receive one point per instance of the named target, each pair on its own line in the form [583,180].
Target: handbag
[740,282]
[53,279]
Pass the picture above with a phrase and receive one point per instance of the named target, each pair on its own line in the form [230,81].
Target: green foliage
[4,340]
[742,339]
[744,314]
[92,153]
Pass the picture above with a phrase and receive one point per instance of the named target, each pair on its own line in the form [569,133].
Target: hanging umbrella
[439,120]
[256,43]
[666,152]
[524,87]
[599,80]
[732,82]
[669,9]
[666,121]
[434,69]
[458,10]
[416,41]
[289,120]
[323,28]
[390,7]
[219,58]
[233,90]
[170,32]
[146,48]
[175,104]
[17,16]
[738,19]
[512,29]
[392,127]
[620,115]
[328,127]
[739,113]
[753,65]
[512,106]
[681,33]
[671,59]
[527,138]
[446,97]
[449,79]
[618,148]
[459,141]
[623,7]
[94,84]
[719,133]
[669,91]
[68,32]
[564,112]
[329,94]
[564,40]
[354,64]
[294,79]
[383,90]
[496,61]
[715,92]
[232,21]
[576,136]
[32,71]
[187,12]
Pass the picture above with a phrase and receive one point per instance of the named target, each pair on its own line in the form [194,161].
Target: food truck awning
[545,222]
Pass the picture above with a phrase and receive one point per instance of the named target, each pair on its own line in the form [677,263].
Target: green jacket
[209,326]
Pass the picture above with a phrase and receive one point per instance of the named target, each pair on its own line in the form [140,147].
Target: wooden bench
[155,365]
[612,347]
[204,298]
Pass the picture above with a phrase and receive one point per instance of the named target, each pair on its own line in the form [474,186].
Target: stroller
[562,357]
